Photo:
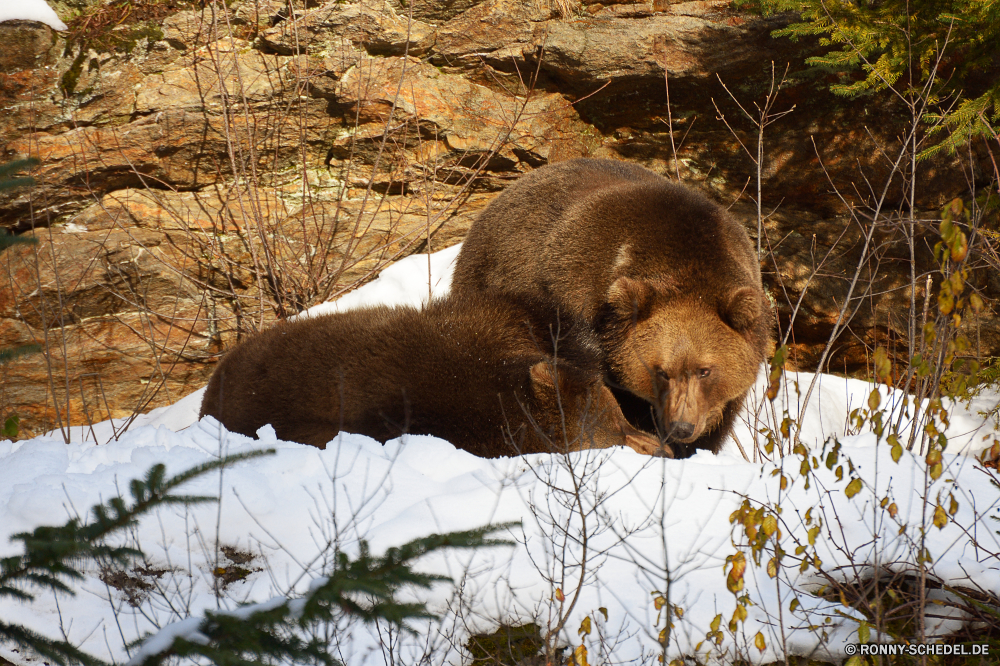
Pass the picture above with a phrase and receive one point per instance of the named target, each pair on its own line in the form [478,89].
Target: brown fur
[480,371]
[666,278]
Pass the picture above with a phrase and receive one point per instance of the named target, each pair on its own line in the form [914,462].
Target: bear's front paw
[648,445]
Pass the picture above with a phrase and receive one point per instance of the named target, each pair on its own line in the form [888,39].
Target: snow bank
[30,10]
[644,516]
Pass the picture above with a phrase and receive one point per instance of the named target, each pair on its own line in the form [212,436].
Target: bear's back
[458,369]
[563,233]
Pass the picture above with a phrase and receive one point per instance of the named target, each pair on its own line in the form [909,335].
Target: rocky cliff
[205,170]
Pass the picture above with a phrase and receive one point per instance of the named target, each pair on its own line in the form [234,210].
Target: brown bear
[482,371]
[667,279]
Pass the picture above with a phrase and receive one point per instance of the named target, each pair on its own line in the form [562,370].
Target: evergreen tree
[956,40]
[9,181]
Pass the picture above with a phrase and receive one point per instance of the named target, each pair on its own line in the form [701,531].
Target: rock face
[214,172]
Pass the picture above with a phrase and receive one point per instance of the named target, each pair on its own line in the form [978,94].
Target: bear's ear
[743,309]
[632,297]
[550,377]
[543,376]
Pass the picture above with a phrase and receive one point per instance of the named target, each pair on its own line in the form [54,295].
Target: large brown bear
[668,280]
[481,371]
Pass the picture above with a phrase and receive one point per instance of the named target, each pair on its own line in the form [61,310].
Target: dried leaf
[734,581]
[874,399]
[940,517]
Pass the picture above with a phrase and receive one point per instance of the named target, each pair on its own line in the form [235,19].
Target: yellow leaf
[584,629]
[793,605]
[976,302]
[874,399]
[758,640]
[716,622]
[864,633]
[740,614]
[772,567]
[952,506]
[945,303]
[657,603]
[940,517]
[896,452]
[883,366]
[856,660]
[769,525]
[579,656]
[678,611]
[559,595]
[853,488]
[892,509]
[960,247]
[812,534]
[734,581]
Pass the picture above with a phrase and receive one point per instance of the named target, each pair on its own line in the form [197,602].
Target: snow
[643,516]
[30,10]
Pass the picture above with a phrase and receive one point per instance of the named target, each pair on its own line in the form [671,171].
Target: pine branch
[55,555]
[952,40]
[8,240]
[364,587]
[49,650]
[10,168]
[10,353]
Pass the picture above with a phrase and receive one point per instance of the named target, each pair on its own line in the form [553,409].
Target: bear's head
[690,356]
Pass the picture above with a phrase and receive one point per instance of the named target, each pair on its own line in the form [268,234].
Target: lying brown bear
[481,371]
[668,280]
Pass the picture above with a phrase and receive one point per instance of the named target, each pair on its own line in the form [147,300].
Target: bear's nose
[681,429]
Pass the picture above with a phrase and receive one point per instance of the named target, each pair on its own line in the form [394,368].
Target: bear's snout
[680,430]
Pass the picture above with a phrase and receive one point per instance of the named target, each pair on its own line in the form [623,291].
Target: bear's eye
[704,372]
[662,374]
